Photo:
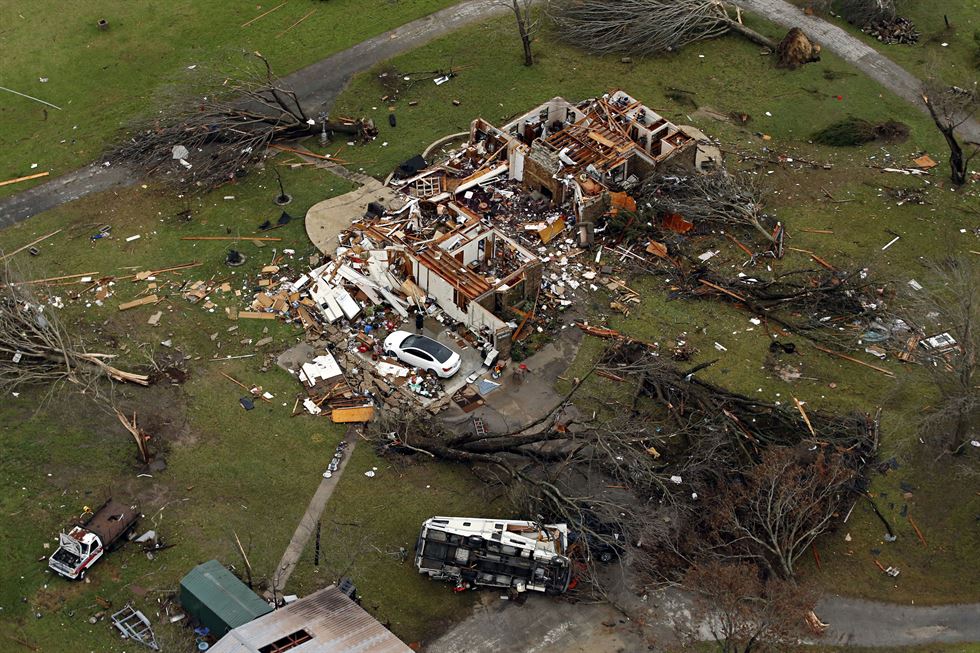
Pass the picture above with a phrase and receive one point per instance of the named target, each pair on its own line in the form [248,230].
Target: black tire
[81,576]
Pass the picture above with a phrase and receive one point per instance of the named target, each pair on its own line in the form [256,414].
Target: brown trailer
[111,520]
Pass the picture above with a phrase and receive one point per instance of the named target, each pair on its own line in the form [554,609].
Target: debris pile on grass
[900,30]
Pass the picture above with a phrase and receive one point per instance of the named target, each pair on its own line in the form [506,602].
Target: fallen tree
[36,348]
[646,26]
[950,107]
[744,612]
[208,136]
[718,199]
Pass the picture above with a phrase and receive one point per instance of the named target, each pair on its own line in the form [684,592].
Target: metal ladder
[133,624]
[479,426]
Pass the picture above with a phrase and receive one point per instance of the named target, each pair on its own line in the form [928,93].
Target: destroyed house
[518,555]
[472,271]
[577,154]
[572,154]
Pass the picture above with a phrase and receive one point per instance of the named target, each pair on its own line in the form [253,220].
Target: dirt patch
[161,413]
[170,376]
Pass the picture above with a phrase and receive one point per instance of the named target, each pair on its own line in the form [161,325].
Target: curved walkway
[871,62]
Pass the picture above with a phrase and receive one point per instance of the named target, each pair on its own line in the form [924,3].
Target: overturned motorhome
[519,555]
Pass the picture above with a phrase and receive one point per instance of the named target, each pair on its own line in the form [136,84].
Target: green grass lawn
[102,80]
[153,215]
[228,470]
[724,75]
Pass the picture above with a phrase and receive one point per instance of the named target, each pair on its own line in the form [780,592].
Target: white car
[423,352]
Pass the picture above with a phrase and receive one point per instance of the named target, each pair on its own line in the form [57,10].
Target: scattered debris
[134,625]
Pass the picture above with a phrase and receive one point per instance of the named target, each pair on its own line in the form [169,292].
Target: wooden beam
[28,245]
[27,178]
[353,414]
[255,315]
[252,238]
[142,301]
[262,15]
[311,12]
[723,290]
[46,280]
[853,360]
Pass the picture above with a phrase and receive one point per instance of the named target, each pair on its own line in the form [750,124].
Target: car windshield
[428,345]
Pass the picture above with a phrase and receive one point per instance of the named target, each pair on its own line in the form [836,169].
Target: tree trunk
[528,58]
[752,35]
[957,444]
[525,39]
[957,163]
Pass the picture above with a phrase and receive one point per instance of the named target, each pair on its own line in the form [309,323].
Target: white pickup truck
[88,540]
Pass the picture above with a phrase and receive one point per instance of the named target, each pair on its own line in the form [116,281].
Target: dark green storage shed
[216,598]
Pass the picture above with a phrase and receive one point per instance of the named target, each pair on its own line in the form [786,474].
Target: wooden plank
[252,238]
[852,359]
[142,276]
[142,301]
[723,290]
[312,11]
[246,24]
[29,245]
[20,179]
[255,315]
[356,414]
[806,418]
[67,276]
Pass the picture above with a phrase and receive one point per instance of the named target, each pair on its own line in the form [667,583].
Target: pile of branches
[815,303]
[37,349]
[741,469]
[716,200]
[900,30]
[203,139]
[741,427]
[645,27]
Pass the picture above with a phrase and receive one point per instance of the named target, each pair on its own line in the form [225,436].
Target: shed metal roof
[335,623]
[223,594]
